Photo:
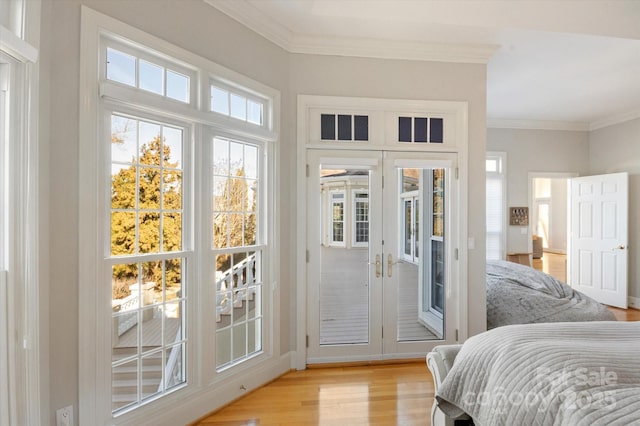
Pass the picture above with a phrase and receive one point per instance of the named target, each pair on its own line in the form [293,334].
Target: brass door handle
[620,247]
[378,265]
[389,266]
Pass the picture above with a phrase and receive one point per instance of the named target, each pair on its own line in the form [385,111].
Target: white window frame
[109,108]
[22,397]
[500,174]
[262,234]
[332,201]
[206,389]
[354,229]
[412,197]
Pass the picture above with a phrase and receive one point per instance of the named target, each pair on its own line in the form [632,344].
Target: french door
[382,274]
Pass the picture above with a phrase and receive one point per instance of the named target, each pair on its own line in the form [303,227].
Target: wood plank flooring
[397,394]
[552,264]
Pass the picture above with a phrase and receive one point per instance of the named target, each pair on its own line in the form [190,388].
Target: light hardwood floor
[398,394]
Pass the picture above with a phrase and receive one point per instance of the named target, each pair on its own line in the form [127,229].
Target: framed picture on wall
[519,216]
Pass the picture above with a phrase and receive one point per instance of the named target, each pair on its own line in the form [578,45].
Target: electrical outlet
[64,416]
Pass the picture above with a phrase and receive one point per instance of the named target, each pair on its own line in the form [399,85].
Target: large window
[183,213]
[238,256]
[496,204]
[147,258]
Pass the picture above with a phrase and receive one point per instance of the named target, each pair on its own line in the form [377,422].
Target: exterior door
[380,274]
[598,237]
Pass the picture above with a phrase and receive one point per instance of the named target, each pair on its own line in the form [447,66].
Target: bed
[579,373]
[518,294]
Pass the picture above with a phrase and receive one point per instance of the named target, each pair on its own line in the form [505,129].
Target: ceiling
[557,64]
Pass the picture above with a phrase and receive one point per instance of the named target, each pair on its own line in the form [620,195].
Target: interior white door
[373,252]
[598,251]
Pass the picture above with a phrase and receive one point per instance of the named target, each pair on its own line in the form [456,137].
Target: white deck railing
[173,372]
[126,321]
[235,282]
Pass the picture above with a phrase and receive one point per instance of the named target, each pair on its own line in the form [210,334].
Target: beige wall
[617,149]
[536,151]
[199,28]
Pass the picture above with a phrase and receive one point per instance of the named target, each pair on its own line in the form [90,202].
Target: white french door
[392,291]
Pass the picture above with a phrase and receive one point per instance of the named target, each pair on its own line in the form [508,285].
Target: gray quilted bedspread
[518,294]
[564,374]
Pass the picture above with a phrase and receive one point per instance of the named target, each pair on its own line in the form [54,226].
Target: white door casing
[599,237]
[387,131]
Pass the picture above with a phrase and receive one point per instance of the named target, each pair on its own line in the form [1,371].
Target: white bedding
[548,374]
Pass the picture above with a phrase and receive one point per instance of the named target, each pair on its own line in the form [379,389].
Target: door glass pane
[344,269]
[437,276]
[420,284]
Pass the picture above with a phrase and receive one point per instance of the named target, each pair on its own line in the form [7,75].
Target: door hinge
[456,335]
[308,256]
[382,182]
[307,172]
[383,332]
[455,254]
[457,173]
[307,340]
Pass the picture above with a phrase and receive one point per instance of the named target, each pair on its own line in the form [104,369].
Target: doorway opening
[548,228]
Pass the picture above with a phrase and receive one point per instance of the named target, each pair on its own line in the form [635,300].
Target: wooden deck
[344,298]
[152,332]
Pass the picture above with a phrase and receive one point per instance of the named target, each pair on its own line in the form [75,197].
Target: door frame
[381,111]
[549,175]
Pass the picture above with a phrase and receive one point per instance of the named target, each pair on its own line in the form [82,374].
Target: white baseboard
[554,251]
[634,302]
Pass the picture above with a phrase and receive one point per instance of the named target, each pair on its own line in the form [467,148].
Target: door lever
[390,263]
[620,247]
[378,265]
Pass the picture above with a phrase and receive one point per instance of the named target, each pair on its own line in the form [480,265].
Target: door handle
[378,265]
[389,265]
[620,247]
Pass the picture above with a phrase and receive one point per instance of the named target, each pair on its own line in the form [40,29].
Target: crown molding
[504,123]
[273,31]
[615,119]
[393,49]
